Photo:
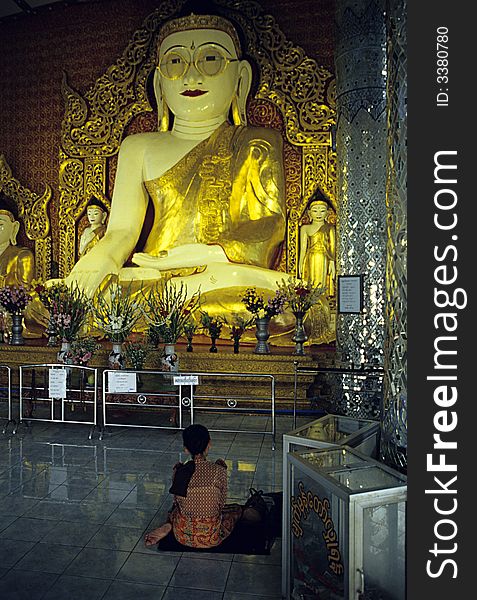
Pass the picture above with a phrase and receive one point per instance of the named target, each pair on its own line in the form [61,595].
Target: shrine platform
[280,363]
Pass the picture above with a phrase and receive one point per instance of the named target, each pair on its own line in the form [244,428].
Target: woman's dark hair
[196,439]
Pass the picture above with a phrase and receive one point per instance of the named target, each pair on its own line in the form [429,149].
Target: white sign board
[186,380]
[120,382]
[350,299]
[57,383]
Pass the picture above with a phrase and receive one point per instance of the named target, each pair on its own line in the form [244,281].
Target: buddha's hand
[187,255]
[88,277]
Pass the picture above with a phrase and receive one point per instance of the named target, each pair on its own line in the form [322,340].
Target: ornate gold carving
[293,170]
[200,22]
[71,192]
[33,211]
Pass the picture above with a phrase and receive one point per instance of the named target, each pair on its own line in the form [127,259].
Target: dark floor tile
[71,534]
[89,512]
[30,586]
[274,558]
[123,590]
[11,551]
[238,596]
[6,520]
[154,569]
[175,593]
[15,504]
[261,580]
[116,538]
[131,517]
[201,574]
[48,558]
[104,494]
[30,530]
[73,492]
[95,562]
[77,588]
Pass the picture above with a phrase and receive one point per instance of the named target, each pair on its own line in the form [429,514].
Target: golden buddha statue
[217,188]
[97,214]
[317,245]
[17,264]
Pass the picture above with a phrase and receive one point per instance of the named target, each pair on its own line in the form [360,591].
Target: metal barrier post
[9,398]
[41,393]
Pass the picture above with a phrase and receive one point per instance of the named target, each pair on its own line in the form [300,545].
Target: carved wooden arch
[33,212]
[294,94]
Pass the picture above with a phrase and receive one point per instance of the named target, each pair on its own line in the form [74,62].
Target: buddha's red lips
[193,93]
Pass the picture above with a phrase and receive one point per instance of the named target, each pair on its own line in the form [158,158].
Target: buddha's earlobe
[239,102]
[162,108]
[13,236]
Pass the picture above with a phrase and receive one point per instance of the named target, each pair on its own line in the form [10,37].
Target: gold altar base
[279,363]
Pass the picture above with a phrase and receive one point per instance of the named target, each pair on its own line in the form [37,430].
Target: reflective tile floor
[73,513]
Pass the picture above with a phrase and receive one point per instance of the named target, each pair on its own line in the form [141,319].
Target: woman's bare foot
[156,535]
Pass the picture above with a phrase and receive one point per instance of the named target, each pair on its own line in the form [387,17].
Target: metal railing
[6,388]
[50,390]
[353,386]
[157,391]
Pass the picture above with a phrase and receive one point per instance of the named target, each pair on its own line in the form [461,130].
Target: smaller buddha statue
[97,214]
[317,245]
[17,264]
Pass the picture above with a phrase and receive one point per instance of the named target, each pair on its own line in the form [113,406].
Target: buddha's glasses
[209,60]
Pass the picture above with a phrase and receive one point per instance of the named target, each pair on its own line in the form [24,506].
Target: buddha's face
[96,216]
[7,229]
[318,211]
[199,73]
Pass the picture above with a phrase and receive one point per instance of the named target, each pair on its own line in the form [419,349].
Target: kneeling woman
[199,516]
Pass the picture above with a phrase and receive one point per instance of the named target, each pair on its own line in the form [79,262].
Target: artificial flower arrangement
[136,354]
[189,329]
[238,326]
[212,325]
[68,307]
[14,298]
[83,349]
[300,295]
[261,309]
[116,312]
[169,310]
[237,329]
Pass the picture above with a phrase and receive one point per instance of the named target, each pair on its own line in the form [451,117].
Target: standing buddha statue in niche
[97,214]
[317,245]
[217,188]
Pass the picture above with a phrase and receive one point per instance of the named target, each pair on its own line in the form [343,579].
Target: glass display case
[346,534]
[334,430]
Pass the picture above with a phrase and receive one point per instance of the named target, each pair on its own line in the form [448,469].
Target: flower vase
[116,359]
[16,339]
[236,345]
[262,334]
[213,347]
[63,355]
[169,358]
[189,344]
[300,336]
